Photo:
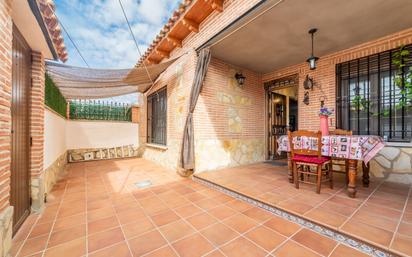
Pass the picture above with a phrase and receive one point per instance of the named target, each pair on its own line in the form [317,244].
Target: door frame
[27,155]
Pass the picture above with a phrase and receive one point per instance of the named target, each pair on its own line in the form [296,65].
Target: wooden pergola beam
[162,53]
[191,25]
[217,5]
[174,41]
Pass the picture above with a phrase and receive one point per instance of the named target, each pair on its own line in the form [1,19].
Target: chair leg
[319,178]
[330,175]
[295,174]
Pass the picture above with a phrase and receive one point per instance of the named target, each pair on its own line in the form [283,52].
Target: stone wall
[6,229]
[94,154]
[393,162]
[54,172]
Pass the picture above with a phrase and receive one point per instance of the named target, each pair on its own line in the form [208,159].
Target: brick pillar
[135,114]
[6,211]
[37,131]
[68,110]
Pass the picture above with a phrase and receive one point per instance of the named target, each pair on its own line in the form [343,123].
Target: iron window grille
[367,98]
[157,117]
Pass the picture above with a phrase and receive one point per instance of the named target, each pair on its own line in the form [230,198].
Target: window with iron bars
[157,117]
[368,98]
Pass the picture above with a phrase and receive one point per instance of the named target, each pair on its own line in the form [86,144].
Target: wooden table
[351,148]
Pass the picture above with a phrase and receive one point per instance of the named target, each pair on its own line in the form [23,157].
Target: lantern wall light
[312,58]
[240,78]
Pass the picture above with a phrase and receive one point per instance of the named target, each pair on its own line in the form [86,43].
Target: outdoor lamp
[240,78]
[312,59]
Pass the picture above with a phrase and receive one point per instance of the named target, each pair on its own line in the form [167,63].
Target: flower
[325,111]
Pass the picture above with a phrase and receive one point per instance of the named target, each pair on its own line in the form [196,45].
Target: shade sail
[87,83]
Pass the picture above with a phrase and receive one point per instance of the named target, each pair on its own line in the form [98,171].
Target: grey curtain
[188,146]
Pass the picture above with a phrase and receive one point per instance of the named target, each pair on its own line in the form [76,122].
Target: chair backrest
[305,142]
[342,132]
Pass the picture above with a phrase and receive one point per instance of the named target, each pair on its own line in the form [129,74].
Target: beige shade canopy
[87,83]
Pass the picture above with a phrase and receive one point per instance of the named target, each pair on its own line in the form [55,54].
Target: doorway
[20,135]
[282,109]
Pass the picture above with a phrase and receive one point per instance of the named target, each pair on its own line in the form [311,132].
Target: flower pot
[324,128]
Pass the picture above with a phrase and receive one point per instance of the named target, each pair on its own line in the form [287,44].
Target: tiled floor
[98,211]
[381,214]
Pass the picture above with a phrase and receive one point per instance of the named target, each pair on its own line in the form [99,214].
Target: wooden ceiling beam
[162,53]
[217,5]
[174,41]
[191,25]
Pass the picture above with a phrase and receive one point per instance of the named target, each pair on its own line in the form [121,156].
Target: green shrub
[54,98]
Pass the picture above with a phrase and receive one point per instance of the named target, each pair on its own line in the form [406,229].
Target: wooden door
[277,122]
[20,135]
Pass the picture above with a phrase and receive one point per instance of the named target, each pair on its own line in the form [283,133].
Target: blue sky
[100,31]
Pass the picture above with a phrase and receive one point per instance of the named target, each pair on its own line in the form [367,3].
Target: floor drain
[143,184]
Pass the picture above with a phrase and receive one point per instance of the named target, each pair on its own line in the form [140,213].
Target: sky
[100,31]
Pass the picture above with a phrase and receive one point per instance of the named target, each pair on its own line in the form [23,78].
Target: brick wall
[324,75]
[37,131]
[5,99]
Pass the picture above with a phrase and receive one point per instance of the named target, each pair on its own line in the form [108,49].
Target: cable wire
[135,41]
[70,38]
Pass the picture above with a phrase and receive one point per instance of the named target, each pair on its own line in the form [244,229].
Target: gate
[20,135]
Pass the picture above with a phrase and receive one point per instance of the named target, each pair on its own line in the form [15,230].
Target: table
[352,148]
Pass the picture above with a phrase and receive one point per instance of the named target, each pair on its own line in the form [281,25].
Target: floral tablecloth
[348,147]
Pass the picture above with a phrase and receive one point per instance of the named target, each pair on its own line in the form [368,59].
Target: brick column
[135,114]
[6,211]
[37,131]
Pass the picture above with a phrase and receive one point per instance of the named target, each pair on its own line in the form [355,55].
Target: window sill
[156,146]
[399,144]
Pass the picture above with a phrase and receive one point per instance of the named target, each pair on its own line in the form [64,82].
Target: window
[157,117]
[368,99]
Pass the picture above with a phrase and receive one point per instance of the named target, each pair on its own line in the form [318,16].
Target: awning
[87,83]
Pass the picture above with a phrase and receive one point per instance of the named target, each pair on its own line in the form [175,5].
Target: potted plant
[324,114]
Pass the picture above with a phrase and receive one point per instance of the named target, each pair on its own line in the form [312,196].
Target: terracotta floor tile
[282,226]
[66,235]
[375,220]
[138,227]
[381,211]
[41,229]
[242,247]
[258,214]
[100,213]
[201,220]
[405,229]
[295,206]
[219,234]
[239,205]
[164,218]
[315,241]
[291,248]
[207,204]
[146,243]
[102,224]
[196,196]
[368,232]
[216,253]
[192,246]
[266,238]
[340,209]
[129,216]
[33,245]
[176,230]
[241,223]
[402,244]
[153,205]
[326,217]
[105,238]
[345,251]
[117,250]
[74,248]
[68,222]
[187,210]
[222,212]
[166,251]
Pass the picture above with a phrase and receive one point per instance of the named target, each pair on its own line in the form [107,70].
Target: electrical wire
[70,38]
[135,41]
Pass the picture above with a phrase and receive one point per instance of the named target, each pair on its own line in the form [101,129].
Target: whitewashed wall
[54,137]
[61,135]
[101,134]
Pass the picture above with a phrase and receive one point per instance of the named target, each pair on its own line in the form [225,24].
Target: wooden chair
[339,162]
[304,160]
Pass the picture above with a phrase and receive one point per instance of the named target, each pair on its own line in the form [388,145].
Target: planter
[324,128]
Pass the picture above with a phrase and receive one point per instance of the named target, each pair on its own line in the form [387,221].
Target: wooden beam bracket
[191,25]
[163,53]
[174,41]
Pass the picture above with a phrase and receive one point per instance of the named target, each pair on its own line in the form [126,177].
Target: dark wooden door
[277,122]
[20,137]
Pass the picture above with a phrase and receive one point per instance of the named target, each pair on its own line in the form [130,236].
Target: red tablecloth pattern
[348,147]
